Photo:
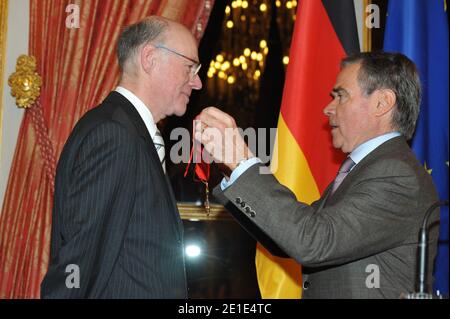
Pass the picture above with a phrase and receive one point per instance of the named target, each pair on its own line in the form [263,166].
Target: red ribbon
[201,169]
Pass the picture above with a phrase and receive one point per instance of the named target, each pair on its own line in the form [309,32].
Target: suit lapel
[380,152]
[138,124]
[173,203]
[324,198]
[135,123]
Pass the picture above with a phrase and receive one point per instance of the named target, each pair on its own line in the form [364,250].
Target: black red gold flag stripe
[304,160]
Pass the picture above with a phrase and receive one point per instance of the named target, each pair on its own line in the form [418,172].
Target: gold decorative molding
[3,38]
[197,213]
[25,83]
[366,32]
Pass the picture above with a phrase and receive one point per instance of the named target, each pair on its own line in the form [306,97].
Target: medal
[201,170]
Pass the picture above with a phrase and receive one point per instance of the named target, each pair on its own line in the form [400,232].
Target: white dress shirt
[142,109]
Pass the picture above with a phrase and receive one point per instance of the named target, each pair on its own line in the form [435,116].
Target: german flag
[304,159]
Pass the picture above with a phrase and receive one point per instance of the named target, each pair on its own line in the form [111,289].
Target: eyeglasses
[194,68]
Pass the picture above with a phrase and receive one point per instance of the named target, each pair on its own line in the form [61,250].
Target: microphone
[422,256]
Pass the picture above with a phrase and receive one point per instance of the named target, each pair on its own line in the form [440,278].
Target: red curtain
[78,67]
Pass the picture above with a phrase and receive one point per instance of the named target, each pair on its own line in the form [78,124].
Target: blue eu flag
[419,29]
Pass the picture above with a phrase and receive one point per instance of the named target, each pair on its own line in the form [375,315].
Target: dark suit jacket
[114,214]
[370,225]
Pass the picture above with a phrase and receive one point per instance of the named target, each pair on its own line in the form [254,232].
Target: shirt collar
[142,109]
[367,147]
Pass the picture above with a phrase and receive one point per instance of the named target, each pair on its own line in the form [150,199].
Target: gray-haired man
[115,219]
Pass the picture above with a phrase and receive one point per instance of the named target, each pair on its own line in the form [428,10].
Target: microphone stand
[422,256]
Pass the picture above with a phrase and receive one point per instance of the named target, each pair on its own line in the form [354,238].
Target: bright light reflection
[193,251]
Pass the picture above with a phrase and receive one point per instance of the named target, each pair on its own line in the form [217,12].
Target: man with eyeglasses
[116,229]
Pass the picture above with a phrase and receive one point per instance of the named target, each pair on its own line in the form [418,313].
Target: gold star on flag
[426,168]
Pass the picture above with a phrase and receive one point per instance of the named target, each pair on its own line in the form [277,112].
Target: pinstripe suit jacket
[368,227]
[114,215]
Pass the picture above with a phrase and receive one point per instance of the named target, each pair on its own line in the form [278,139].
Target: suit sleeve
[97,206]
[256,232]
[375,215]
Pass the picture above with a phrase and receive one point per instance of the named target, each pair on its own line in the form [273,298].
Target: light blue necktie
[343,172]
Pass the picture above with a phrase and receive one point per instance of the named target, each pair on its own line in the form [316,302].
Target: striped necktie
[343,172]
[159,145]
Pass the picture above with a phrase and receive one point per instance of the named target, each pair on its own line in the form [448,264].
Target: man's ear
[386,101]
[147,58]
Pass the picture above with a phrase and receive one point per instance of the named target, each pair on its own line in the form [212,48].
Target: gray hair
[394,71]
[135,35]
